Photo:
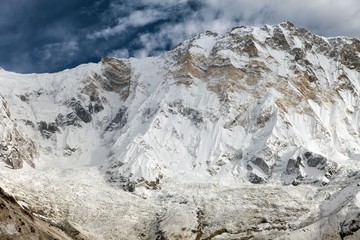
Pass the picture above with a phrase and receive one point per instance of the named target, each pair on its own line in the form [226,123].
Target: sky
[53,35]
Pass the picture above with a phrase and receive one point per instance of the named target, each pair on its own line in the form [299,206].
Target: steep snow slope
[239,106]
[253,133]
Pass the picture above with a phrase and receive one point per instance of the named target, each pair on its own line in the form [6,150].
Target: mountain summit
[252,133]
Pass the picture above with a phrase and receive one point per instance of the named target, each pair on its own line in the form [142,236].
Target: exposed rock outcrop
[15,149]
[17,223]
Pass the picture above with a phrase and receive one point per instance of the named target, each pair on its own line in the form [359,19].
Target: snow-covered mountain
[250,134]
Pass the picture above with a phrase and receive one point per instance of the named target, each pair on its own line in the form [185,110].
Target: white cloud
[326,17]
[141,18]
[135,19]
[119,53]
[166,3]
[59,50]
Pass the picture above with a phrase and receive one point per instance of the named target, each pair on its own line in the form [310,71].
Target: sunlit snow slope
[240,123]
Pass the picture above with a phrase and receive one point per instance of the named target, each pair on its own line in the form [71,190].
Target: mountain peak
[265,116]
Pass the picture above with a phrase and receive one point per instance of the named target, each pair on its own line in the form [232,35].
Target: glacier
[250,134]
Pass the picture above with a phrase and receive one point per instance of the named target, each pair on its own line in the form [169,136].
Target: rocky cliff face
[15,149]
[18,223]
[264,111]
[255,104]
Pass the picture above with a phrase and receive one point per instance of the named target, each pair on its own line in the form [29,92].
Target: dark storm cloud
[50,35]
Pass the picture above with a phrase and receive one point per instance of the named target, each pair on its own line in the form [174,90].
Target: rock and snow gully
[251,134]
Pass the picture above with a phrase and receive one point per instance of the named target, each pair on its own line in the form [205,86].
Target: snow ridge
[270,109]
